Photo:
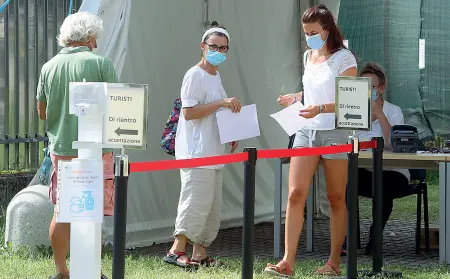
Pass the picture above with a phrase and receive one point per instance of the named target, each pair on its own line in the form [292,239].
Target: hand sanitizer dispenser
[88,200]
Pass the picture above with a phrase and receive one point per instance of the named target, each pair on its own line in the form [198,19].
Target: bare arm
[41,108]
[288,99]
[201,111]
[386,127]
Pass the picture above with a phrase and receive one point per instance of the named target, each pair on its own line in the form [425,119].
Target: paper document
[290,120]
[238,126]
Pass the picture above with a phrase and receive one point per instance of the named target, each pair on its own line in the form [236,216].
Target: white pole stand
[86,237]
[97,106]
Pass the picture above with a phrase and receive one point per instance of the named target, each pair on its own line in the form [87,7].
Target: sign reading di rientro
[124,110]
[125,120]
[353,103]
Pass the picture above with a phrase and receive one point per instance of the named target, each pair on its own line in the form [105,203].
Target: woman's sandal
[328,269]
[172,258]
[275,270]
[59,276]
[208,262]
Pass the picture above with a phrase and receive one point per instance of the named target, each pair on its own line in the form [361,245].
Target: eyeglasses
[223,49]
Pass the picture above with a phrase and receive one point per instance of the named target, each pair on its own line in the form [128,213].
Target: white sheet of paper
[238,126]
[290,120]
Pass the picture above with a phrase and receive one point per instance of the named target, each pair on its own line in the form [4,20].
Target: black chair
[417,186]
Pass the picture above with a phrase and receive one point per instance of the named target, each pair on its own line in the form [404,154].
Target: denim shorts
[318,138]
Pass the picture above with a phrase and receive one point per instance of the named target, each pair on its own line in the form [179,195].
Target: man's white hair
[77,28]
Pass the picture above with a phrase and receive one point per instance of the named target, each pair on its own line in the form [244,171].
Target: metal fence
[27,41]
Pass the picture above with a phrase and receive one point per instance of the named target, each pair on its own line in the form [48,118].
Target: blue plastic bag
[44,175]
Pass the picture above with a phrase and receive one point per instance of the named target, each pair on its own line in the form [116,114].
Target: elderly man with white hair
[74,63]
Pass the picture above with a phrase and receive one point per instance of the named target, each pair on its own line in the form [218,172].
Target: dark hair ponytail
[322,6]
[321,14]
[215,24]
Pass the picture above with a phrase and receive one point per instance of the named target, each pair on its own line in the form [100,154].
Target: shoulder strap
[305,57]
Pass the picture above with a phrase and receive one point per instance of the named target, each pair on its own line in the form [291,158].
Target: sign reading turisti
[125,118]
[353,103]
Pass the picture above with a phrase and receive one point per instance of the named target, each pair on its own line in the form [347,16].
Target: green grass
[139,266]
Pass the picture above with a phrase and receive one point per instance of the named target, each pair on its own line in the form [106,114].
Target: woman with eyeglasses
[326,58]
[200,203]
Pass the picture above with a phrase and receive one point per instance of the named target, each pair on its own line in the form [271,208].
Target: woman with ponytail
[326,58]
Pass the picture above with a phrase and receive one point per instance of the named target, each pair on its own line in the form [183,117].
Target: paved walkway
[399,244]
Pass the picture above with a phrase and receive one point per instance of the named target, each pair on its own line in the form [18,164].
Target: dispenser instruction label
[124,122]
[80,191]
[353,103]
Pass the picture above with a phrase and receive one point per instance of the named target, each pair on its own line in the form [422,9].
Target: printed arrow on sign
[119,132]
[352,116]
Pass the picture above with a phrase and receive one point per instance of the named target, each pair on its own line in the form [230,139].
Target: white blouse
[319,82]
[199,137]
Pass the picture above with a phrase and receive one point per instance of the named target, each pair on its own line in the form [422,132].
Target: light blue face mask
[374,94]
[215,57]
[315,41]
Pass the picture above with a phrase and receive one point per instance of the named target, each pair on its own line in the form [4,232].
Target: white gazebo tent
[155,42]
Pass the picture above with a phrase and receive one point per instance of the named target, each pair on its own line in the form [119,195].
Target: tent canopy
[155,43]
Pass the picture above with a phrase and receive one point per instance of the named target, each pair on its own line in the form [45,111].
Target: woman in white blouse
[326,58]
[384,116]
[200,204]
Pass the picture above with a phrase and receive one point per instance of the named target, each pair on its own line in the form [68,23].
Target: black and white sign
[353,103]
[421,54]
[125,118]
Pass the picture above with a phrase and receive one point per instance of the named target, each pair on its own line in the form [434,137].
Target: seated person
[384,116]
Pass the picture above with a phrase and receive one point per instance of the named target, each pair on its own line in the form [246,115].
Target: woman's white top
[199,137]
[319,84]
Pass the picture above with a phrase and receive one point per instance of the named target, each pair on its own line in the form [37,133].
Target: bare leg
[179,245]
[199,252]
[336,179]
[301,171]
[60,239]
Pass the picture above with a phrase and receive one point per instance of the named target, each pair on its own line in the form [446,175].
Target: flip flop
[59,276]
[172,258]
[286,272]
[208,262]
[335,271]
